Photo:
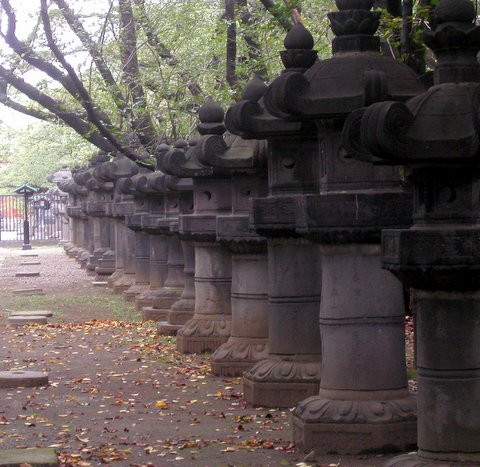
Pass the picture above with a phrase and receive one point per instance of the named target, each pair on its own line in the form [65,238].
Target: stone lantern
[436,135]
[160,223]
[61,178]
[76,216]
[181,264]
[245,162]
[211,323]
[118,168]
[100,195]
[80,177]
[363,403]
[141,244]
[292,369]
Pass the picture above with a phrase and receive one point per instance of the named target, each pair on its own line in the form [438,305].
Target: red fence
[43,214]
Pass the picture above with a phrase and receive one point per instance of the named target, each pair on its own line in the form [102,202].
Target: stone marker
[21,378]
[100,283]
[30,263]
[29,255]
[37,457]
[46,313]
[27,274]
[21,320]
[28,291]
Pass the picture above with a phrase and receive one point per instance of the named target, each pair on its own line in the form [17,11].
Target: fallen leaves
[113,401]
[162,405]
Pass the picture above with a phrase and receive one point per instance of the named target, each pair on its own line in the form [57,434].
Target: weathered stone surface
[20,378]
[292,368]
[438,257]
[364,385]
[46,313]
[27,274]
[210,326]
[28,291]
[29,255]
[21,320]
[100,283]
[164,298]
[183,309]
[248,341]
[36,457]
[361,311]
[30,263]
[244,162]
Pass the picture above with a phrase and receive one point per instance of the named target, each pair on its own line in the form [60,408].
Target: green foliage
[30,154]
[183,65]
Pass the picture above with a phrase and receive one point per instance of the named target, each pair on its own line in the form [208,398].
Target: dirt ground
[120,396]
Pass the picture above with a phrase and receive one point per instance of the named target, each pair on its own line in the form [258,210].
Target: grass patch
[412,374]
[101,307]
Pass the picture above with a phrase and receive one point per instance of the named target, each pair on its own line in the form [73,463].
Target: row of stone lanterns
[264,243]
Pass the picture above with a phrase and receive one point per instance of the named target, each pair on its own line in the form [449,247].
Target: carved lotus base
[150,313]
[205,334]
[104,271]
[180,317]
[92,264]
[429,460]
[277,382]
[238,355]
[184,304]
[151,294]
[355,426]
[164,328]
[73,252]
[124,283]
[166,297]
[143,300]
[82,257]
[132,292]
[117,275]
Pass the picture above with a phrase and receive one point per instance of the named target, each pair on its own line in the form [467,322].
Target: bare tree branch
[275,11]
[10,103]
[77,27]
[142,124]
[83,94]
[252,44]
[25,52]
[160,49]
[82,127]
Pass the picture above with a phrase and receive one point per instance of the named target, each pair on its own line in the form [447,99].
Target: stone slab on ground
[23,379]
[29,255]
[36,457]
[28,291]
[100,283]
[46,313]
[22,320]
[27,274]
[30,263]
